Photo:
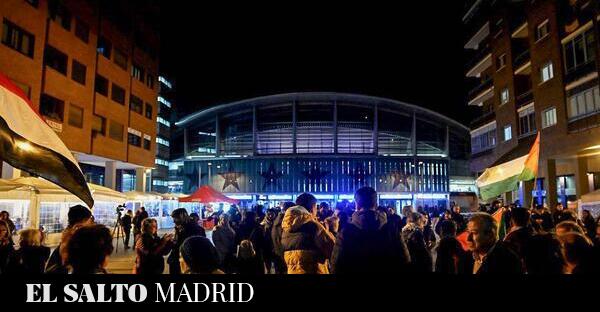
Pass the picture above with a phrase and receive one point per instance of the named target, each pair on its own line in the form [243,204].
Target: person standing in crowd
[126,221]
[451,257]
[267,227]
[520,231]
[578,254]
[557,215]
[412,234]
[542,218]
[184,228]
[543,255]
[7,248]
[428,233]
[143,213]
[306,243]
[324,211]
[88,249]
[569,226]
[250,229]
[447,215]
[486,254]
[194,218]
[77,216]
[32,255]
[332,223]
[150,249]
[369,244]
[199,256]
[406,211]
[458,218]
[589,224]
[249,262]
[235,216]
[5,216]
[276,232]
[224,239]
[393,218]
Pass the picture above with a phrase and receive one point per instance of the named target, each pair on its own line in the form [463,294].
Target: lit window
[162,141]
[504,96]
[162,162]
[164,81]
[501,61]
[163,121]
[162,100]
[507,133]
[542,30]
[547,72]
[549,117]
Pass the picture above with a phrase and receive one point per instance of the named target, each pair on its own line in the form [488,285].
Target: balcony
[524,98]
[479,61]
[483,119]
[580,71]
[482,86]
[521,59]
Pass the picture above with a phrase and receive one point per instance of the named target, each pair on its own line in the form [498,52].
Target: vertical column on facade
[185,142]
[550,183]
[140,179]
[526,194]
[217,136]
[413,140]
[508,198]
[375,143]
[110,174]
[335,127]
[254,127]
[294,117]
[581,178]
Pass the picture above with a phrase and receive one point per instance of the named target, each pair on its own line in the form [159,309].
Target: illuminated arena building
[273,148]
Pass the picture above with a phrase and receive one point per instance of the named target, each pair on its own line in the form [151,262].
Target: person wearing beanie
[184,228]
[77,217]
[199,256]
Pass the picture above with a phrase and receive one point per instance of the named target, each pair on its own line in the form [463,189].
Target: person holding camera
[126,222]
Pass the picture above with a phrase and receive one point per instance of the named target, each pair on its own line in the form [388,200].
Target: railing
[482,52]
[521,59]
[483,85]
[482,119]
[580,71]
[524,98]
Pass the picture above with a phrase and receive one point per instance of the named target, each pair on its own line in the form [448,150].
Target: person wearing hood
[369,244]
[412,234]
[276,233]
[306,243]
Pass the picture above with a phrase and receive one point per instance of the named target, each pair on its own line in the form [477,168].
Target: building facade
[330,144]
[90,68]
[533,66]
[166,101]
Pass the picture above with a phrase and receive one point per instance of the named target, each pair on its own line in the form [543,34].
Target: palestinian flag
[29,144]
[505,177]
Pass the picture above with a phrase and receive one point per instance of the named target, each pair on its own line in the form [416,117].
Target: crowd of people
[305,237]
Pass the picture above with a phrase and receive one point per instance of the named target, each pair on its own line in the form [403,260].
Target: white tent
[591,202]
[35,202]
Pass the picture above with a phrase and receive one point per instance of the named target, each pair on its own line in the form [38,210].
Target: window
[101,85]
[118,94]
[163,121]
[148,111]
[549,117]
[18,39]
[547,72]
[55,59]
[162,162]
[501,61]
[115,131]
[507,133]
[579,51]
[82,30]
[150,81]
[78,72]
[162,100]
[504,96]
[75,116]
[583,103]
[99,125]
[136,104]
[137,72]
[60,14]
[527,120]
[162,141]
[147,142]
[134,137]
[104,47]
[120,59]
[483,138]
[52,107]
[542,30]
[165,82]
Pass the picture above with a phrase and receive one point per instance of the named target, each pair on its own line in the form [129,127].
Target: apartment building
[90,68]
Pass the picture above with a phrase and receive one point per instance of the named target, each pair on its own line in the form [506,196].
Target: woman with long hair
[32,255]
[151,249]
[6,246]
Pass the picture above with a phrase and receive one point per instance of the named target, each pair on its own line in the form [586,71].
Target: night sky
[220,54]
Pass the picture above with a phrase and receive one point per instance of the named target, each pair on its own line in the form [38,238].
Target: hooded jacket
[369,244]
[305,242]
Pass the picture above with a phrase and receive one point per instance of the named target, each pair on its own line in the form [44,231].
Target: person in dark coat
[543,255]
[276,232]
[126,222]
[32,255]
[184,228]
[557,215]
[520,232]
[77,216]
[578,253]
[486,254]
[542,217]
[199,256]
[250,229]
[446,215]
[151,249]
[451,258]
[88,249]
[7,248]
[412,233]
[5,216]
[461,225]
[369,244]
[589,224]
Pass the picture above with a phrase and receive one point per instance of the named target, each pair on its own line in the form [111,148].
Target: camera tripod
[117,230]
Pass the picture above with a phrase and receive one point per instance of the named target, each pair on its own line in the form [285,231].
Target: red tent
[206,194]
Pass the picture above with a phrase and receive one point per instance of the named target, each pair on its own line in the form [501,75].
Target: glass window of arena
[355,128]
[314,127]
[394,136]
[201,138]
[235,133]
[274,129]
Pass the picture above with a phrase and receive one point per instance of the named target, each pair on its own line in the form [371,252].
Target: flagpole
[535,185]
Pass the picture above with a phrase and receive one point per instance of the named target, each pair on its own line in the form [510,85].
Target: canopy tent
[141,196]
[206,194]
[591,197]
[590,202]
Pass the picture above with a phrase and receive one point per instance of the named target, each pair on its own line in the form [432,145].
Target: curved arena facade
[274,147]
